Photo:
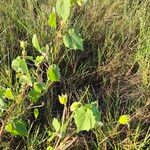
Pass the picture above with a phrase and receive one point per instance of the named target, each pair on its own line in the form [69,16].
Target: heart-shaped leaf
[73,40]
[63,9]
[86,117]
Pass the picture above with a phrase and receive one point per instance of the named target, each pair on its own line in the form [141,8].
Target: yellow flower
[74,106]
[124,119]
[63,99]
[23,44]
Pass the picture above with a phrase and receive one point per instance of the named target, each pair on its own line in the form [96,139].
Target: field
[74,75]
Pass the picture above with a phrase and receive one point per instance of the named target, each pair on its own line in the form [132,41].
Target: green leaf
[20,127]
[53,73]
[9,127]
[73,40]
[43,51]
[29,58]
[35,42]
[19,65]
[74,106]
[95,111]
[63,9]
[56,124]
[34,95]
[73,2]
[3,106]
[15,64]
[17,127]
[2,92]
[39,87]
[25,79]
[23,67]
[39,60]
[52,20]
[36,113]
[9,94]
[84,119]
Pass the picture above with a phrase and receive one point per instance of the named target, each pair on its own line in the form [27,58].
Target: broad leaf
[53,73]
[23,67]
[25,79]
[74,106]
[20,127]
[56,124]
[9,127]
[3,106]
[35,42]
[95,110]
[19,65]
[63,9]
[2,92]
[52,20]
[34,95]
[38,60]
[17,127]
[39,87]
[84,119]
[73,40]
[15,64]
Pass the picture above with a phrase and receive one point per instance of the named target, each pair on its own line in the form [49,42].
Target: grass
[113,70]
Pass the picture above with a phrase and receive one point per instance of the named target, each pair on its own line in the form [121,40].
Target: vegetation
[74,74]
